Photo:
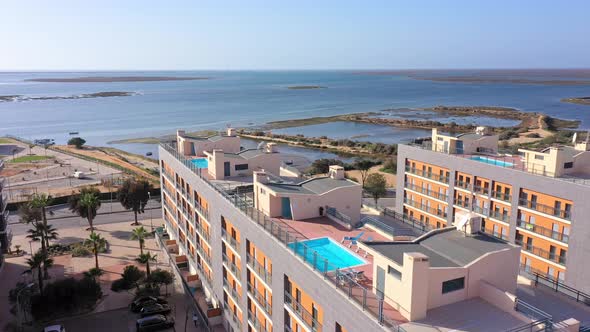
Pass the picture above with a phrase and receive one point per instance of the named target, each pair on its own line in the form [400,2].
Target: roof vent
[336,172]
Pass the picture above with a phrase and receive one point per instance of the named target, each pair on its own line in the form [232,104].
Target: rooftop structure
[312,272]
[196,145]
[479,141]
[223,164]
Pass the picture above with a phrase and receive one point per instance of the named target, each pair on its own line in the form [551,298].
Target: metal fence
[367,298]
[543,279]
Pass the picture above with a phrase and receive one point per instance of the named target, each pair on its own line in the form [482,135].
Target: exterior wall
[269,162]
[334,303]
[227,143]
[578,247]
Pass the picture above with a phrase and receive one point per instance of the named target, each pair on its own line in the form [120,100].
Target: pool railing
[368,299]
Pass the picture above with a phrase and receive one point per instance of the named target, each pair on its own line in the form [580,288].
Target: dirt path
[101,155]
[522,138]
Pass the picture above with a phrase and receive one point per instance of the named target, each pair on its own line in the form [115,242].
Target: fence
[555,285]
[542,321]
[367,299]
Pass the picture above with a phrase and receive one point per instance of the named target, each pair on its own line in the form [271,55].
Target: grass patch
[6,141]
[29,159]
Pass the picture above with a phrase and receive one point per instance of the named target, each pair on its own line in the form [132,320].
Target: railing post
[315,258]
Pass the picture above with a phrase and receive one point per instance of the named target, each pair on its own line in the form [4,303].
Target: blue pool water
[200,162]
[337,256]
[492,161]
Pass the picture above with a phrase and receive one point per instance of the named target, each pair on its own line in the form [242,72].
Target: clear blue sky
[195,34]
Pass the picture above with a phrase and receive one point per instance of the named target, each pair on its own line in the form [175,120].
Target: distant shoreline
[577,100]
[305,87]
[105,94]
[113,79]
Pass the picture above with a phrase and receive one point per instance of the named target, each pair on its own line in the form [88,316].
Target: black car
[143,301]
[154,323]
[150,310]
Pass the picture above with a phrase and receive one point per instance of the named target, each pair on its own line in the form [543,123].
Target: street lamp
[151,220]
[18,308]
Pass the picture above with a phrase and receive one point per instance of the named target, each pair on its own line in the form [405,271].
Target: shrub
[533,135]
[321,166]
[119,285]
[64,297]
[77,142]
[80,251]
[390,166]
[132,274]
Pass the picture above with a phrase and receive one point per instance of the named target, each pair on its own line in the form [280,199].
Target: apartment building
[254,263]
[538,201]
[5,233]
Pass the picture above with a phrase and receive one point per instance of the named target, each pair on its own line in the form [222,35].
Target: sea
[253,98]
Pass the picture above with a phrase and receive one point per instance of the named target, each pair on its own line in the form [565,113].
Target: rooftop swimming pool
[492,161]
[200,162]
[338,256]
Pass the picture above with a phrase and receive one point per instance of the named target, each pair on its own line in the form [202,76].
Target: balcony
[231,266]
[438,212]
[256,323]
[481,190]
[307,318]
[428,175]
[233,317]
[542,253]
[200,209]
[550,210]
[205,235]
[259,299]
[426,192]
[495,233]
[463,185]
[462,203]
[501,196]
[230,240]
[203,254]
[504,217]
[260,271]
[232,291]
[543,231]
[481,210]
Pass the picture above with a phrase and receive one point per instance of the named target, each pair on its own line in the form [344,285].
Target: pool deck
[325,227]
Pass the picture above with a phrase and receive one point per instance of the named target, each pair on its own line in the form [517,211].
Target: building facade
[5,233]
[543,213]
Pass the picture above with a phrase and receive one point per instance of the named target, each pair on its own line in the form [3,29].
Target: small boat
[148,154]
[74,133]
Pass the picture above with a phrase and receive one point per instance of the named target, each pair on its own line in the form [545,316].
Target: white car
[79,175]
[54,328]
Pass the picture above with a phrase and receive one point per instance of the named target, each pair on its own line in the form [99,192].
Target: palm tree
[86,204]
[134,195]
[36,262]
[93,273]
[41,202]
[139,234]
[42,233]
[146,259]
[97,241]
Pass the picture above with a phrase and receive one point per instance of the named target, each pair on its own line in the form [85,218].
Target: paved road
[63,218]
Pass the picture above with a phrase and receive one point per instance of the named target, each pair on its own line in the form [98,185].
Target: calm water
[242,98]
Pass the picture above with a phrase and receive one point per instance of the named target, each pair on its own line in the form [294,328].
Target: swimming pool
[200,162]
[492,161]
[338,256]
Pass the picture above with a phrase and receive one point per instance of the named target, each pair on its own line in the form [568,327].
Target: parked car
[143,301]
[79,175]
[54,328]
[154,309]
[154,323]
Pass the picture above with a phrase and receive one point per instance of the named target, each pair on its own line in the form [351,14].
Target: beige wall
[227,144]
[269,162]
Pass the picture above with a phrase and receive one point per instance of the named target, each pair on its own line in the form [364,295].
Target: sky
[282,34]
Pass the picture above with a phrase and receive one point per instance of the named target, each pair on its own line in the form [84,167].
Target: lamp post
[151,220]
[18,308]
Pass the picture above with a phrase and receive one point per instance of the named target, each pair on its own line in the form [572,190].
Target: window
[262,191]
[241,167]
[539,157]
[568,165]
[453,285]
[395,273]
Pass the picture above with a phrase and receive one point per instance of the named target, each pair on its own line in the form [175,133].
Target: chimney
[180,132]
[231,132]
[261,177]
[336,172]
[271,147]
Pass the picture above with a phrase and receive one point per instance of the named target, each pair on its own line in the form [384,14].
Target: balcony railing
[463,185]
[438,212]
[495,233]
[229,239]
[232,267]
[202,232]
[542,253]
[426,191]
[203,253]
[232,291]
[304,315]
[204,212]
[255,322]
[262,272]
[358,294]
[550,210]
[501,196]
[500,216]
[481,190]
[543,231]
[428,175]
[259,299]
[332,211]
[462,203]
[481,210]
[232,315]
